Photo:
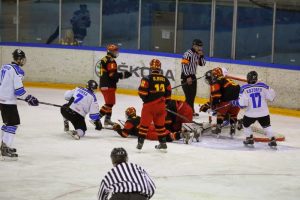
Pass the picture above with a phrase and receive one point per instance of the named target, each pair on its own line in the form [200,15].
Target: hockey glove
[98,125]
[235,103]
[32,101]
[204,107]
[127,74]
[116,127]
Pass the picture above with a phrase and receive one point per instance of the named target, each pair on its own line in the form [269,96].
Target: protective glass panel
[194,19]
[254,32]
[8,20]
[157,25]
[120,23]
[38,20]
[223,29]
[80,22]
[287,33]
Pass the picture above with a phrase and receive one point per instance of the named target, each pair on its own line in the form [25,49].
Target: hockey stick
[183,117]
[121,122]
[44,103]
[236,78]
[186,82]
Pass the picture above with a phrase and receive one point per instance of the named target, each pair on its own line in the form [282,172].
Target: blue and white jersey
[84,102]
[254,97]
[11,85]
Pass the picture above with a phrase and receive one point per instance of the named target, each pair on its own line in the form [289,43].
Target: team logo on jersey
[98,68]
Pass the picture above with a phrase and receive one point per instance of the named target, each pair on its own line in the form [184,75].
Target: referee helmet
[118,155]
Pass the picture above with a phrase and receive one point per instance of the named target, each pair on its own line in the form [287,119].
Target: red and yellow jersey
[153,87]
[223,90]
[108,72]
[174,122]
[131,126]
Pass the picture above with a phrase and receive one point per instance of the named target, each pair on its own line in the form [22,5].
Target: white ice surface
[53,166]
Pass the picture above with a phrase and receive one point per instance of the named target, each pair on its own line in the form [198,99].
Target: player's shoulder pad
[18,69]
[261,84]
[244,87]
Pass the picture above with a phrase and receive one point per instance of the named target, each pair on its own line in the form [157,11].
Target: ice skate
[197,134]
[249,142]
[217,131]
[8,154]
[66,125]
[161,146]
[232,130]
[74,134]
[273,144]
[108,124]
[140,143]
[187,136]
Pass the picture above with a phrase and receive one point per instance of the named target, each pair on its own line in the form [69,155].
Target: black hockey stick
[186,82]
[183,117]
[44,103]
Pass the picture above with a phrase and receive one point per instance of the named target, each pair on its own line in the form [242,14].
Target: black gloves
[32,101]
[124,75]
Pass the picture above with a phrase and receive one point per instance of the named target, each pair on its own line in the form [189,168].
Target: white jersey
[84,102]
[254,97]
[11,85]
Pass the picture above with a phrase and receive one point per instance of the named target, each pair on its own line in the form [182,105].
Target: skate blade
[8,159]
[273,147]
[249,145]
[162,150]
[76,137]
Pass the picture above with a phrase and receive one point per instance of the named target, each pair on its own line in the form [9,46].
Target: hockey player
[174,122]
[254,96]
[11,87]
[109,77]
[154,90]
[131,127]
[223,90]
[81,101]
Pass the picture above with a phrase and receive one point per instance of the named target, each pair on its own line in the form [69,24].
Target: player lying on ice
[174,124]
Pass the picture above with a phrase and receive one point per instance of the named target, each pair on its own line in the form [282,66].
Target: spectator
[80,22]
[69,38]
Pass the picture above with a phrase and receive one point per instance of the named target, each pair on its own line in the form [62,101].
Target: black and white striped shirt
[189,63]
[126,178]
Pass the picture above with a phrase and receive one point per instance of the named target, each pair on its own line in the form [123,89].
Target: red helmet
[130,112]
[113,50]
[155,65]
[217,72]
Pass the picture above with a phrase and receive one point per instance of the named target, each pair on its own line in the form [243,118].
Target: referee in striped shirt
[191,59]
[125,181]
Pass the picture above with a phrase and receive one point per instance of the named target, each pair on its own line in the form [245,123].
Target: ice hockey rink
[54,166]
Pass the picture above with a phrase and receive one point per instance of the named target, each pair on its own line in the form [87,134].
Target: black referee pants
[190,92]
[128,196]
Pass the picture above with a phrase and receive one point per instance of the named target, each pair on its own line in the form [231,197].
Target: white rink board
[78,66]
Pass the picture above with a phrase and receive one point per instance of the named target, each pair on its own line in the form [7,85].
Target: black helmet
[209,77]
[92,85]
[197,42]
[19,57]
[118,155]
[18,54]
[252,77]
